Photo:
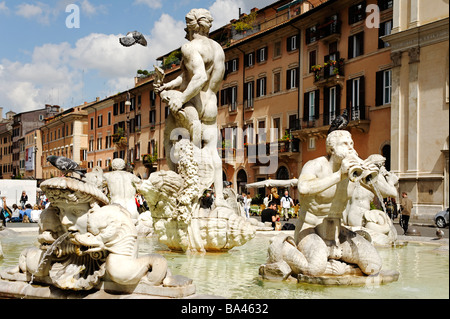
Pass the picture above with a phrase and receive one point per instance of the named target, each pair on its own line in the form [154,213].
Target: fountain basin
[423,269]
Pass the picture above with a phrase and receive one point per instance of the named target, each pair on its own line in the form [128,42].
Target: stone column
[395,112]
[413,111]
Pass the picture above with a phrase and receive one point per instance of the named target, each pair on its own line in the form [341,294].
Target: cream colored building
[420,103]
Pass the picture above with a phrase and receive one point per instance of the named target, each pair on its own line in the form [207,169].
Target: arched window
[386,152]
[241,180]
[283,173]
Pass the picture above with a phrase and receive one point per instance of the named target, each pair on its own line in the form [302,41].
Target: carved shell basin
[71,189]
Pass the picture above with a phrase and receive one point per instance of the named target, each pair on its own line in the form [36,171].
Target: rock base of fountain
[17,286]
[384,277]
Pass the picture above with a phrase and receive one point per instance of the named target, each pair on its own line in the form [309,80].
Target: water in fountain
[47,253]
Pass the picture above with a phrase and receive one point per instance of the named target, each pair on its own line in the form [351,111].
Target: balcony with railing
[318,126]
[331,73]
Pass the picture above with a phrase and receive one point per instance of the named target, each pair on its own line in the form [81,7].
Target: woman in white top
[36,214]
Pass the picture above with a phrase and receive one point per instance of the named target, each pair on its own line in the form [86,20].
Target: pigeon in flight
[132,38]
[340,122]
[66,165]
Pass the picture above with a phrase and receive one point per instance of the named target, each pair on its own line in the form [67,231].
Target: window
[311,106]
[385,29]
[276,82]
[232,65]
[332,105]
[261,55]
[357,12]
[152,99]
[293,122]
[99,143]
[293,43]
[84,155]
[108,142]
[137,121]
[228,96]
[92,123]
[91,145]
[100,121]
[356,45]
[261,87]
[137,150]
[356,98]
[383,87]
[99,163]
[249,133]
[233,98]
[277,49]
[312,59]
[109,118]
[276,132]
[152,117]
[249,59]
[385,4]
[292,78]
[311,34]
[312,143]
[249,94]
[116,108]
[122,107]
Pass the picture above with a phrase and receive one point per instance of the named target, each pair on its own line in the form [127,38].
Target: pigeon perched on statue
[132,38]
[340,122]
[66,165]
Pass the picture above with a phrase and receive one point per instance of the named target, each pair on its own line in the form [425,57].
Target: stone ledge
[384,277]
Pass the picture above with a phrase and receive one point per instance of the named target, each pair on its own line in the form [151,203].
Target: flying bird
[66,165]
[132,38]
[439,233]
[340,122]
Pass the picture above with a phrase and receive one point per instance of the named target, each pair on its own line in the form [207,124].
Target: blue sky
[42,61]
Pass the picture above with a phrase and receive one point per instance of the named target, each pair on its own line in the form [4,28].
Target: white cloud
[96,65]
[90,9]
[152,4]
[3,7]
[39,11]
[225,10]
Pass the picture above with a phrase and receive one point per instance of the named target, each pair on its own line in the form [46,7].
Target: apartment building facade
[22,124]
[420,103]
[65,134]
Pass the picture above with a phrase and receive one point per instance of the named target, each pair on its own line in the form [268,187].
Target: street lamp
[35,155]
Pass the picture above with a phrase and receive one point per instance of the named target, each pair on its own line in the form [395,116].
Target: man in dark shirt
[270,214]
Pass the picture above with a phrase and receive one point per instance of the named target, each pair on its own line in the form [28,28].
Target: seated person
[16,216]
[36,214]
[270,214]
[26,214]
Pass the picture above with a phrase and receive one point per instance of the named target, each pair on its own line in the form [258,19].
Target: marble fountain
[90,242]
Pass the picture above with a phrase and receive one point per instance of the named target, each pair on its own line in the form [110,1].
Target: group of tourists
[22,213]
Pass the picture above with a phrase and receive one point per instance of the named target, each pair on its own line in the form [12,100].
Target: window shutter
[350,47]
[289,44]
[316,104]
[361,43]
[362,98]
[338,100]
[306,107]
[326,106]
[288,79]
[349,98]
[379,88]
[246,91]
